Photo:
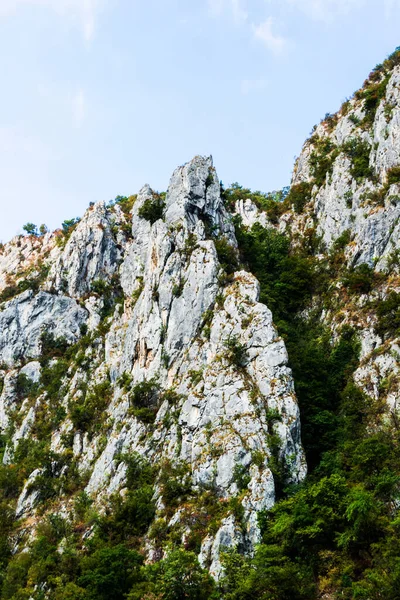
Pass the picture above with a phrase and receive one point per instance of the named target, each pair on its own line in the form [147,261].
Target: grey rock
[26,317]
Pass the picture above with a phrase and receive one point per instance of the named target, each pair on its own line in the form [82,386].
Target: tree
[69,224]
[109,573]
[180,577]
[152,209]
[30,228]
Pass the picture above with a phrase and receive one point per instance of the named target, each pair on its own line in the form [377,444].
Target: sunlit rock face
[347,200]
[348,177]
[223,384]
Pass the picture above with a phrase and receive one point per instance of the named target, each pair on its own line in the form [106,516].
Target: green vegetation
[393,175]
[153,209]
[360,279]
[287,279]
[179,577]
[33,279]
[227,255]
[111,292]
[372,94]
[144,399]
[388,313]
[241,476]
[299,195]
[374,89]
[125,203]
[358,151]
[335,535]
[87,411]
[335,532]
[30,229]
[69,225]
[322,158]
[273,203]
[235,351]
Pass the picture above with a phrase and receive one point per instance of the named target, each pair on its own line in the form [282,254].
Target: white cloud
[78,107]
[81,12]
[249,86]
[327,10]
[264,33]
[219,7]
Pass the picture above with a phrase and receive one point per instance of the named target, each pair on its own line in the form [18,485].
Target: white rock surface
[178,317]
[342,204]
[26,317]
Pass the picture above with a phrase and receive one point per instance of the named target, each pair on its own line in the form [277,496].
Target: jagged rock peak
[194,194]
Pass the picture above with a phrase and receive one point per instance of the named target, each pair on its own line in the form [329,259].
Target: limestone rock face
[91,253]
[26,317]
[366,206]
[198,333]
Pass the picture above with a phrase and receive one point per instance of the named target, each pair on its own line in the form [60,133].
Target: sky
[99,97]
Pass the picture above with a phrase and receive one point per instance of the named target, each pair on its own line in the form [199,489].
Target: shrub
[241,476]
[51,379]
[393,175]
[25,386]
[236,351]
[195,376]
[272,203]
[190,245]
[360,279]
[269,575]
[354,119]
[69,225]
[299,195]
[144,400]
[125,203]
[209,179]
[388,313]
[177,288]
[342,241]
[358,151]
[152,209]
[286,279]
[144,394]
[86,412]
[30,283]
[99,287]
[227,255]
[175,482]
[52,347]
[372,96]
[321,160]
[111,293]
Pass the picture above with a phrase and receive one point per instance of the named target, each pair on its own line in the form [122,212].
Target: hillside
[199,388]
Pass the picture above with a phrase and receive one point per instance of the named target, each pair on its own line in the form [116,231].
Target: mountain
[172,365]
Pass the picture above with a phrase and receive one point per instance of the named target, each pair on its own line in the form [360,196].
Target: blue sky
[99,97]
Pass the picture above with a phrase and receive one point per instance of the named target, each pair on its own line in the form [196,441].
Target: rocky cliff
[195,372]
[147,393]
[345,201]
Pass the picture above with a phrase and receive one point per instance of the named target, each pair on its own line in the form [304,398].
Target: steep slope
[149,396]
[344,208]
[146,342]
[326,253]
